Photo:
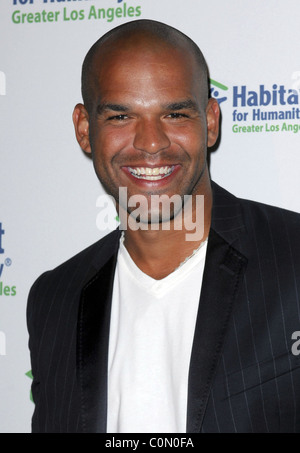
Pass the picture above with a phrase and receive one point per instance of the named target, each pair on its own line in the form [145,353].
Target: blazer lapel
[92,346]
[222,279]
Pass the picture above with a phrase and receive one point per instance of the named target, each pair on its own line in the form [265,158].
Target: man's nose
[150,136]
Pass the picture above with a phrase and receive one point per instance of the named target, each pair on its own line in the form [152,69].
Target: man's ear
[212,118]
[81,124]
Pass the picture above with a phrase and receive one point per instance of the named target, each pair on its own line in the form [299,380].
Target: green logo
[215,90]
[29,374]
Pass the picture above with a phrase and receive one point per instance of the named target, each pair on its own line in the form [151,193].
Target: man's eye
[118,118]
[177,115]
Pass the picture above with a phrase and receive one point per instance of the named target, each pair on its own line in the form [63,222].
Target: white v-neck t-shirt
[151,336]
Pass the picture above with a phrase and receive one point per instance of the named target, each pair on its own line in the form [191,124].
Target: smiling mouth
[151,174]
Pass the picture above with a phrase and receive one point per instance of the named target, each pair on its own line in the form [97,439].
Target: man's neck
[159,252]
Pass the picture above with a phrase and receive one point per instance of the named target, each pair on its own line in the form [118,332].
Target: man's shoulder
[252,222]
[82,264]
[94,253]
[253,208]
[258,212]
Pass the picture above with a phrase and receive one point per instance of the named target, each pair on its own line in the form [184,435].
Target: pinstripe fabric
[257,386]
[243,376]
[52,314]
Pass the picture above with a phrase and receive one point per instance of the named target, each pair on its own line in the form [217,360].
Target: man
[150,330]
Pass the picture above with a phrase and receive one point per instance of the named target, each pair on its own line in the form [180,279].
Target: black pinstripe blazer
[244,376]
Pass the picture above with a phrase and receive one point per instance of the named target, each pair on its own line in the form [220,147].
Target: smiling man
[147,121]
[146,331]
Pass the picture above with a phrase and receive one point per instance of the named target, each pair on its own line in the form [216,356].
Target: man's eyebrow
[188,104]
[182,105]
[111,107]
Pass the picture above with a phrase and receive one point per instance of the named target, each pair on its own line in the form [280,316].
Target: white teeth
[151,174]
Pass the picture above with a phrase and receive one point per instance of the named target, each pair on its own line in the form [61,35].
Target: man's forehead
[145,72]
[111,60]
[122,51]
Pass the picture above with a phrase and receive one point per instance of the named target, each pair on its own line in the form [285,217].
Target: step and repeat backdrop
[50,199]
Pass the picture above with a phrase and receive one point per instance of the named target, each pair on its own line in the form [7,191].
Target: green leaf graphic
[29,374]
[218,84]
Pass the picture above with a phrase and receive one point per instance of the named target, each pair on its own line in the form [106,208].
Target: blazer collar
[92,347]
[93,334]
[227,215]
[222,279]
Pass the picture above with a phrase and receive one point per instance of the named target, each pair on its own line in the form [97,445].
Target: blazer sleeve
[32,314]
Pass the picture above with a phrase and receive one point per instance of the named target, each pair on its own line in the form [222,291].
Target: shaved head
[146,106]
[143,34]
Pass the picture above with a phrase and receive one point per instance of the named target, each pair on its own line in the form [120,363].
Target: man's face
[147,127]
